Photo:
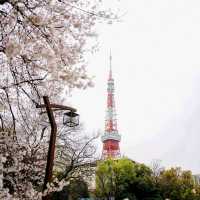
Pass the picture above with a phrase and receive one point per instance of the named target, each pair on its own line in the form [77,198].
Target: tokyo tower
[111,137]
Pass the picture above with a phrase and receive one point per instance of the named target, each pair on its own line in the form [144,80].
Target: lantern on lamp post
[71,119]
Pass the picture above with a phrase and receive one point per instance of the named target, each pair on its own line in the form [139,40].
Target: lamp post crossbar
[59,107]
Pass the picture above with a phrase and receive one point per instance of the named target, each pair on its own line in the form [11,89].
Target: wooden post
[51,151]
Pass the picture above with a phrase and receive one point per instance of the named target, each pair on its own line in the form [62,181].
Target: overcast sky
[156,67]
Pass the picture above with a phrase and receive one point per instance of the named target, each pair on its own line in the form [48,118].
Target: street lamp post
[71,118]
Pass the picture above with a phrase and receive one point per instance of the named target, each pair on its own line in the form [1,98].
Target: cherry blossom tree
[24,166]
[42,48]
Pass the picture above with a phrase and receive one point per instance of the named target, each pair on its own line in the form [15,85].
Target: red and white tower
[111,137]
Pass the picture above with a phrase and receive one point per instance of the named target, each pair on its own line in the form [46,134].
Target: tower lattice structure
[111,137]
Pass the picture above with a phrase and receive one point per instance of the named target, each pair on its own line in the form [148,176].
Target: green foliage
[176,184]
[60,195]
[124,178]
[76,189]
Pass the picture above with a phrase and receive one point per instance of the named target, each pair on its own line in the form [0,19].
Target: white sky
[156,66]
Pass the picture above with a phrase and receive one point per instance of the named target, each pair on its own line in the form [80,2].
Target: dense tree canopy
[177,184]
[124,178]
[76,189]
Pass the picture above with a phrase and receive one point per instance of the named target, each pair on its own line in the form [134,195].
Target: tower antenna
[110,73]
